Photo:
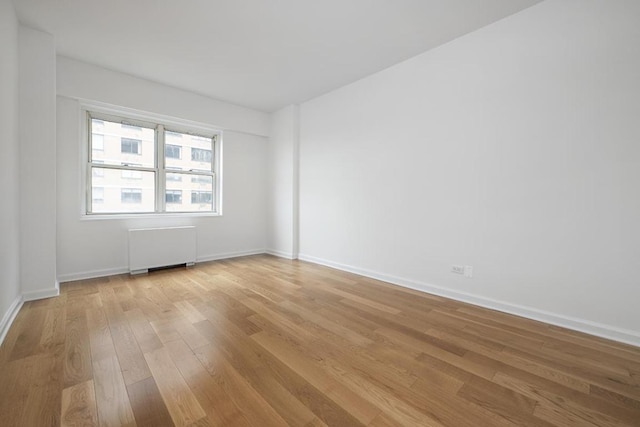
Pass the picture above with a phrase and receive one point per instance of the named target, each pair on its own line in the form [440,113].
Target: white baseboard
[10,316]
[92,274]
[215,257]
[281,254]
[593,328]
[45,293]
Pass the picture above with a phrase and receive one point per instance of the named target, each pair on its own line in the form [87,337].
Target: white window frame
[161,124]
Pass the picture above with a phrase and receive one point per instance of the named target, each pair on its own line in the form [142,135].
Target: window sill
[155,215]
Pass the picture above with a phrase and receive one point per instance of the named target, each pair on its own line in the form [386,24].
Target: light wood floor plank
[77,353]
[79,406]
[253,406]
[182,404]
[220,409]
[43,402]
[114,408]
[147,405]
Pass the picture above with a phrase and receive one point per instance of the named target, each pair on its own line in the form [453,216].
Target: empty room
[320,213]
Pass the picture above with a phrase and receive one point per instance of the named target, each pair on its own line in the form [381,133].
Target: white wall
[9,172]
[90,248]
[80,80]
[282,239]
[514,149]
[37,168]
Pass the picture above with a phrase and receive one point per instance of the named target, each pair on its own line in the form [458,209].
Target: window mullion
[89,188]
[160,170]
[89,171]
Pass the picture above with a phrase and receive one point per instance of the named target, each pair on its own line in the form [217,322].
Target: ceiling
[263,54]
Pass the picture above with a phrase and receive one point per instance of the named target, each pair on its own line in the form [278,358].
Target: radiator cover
[161,247]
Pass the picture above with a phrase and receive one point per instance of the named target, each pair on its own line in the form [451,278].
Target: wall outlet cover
[468,271]
[457,269]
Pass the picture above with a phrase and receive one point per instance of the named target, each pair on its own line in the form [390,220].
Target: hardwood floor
[262,341]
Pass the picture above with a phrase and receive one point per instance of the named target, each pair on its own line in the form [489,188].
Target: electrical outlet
[457,269]
[468,271]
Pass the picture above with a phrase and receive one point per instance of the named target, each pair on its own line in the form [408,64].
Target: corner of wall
[37,166]
[283,181]
[10,299]
[9,317]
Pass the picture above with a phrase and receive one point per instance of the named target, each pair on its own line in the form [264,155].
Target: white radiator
[161,247]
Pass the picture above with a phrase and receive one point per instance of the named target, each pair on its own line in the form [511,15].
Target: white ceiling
[263,54]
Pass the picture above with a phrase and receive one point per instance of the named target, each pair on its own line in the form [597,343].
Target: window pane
[196,192]
[120,144]
[188,152]
[122,195]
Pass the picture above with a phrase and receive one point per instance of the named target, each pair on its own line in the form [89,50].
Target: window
[139,167]
[201,179]
[173,196]
[200,155]
[172,151]
[129,145]
[201,197]
[131,195]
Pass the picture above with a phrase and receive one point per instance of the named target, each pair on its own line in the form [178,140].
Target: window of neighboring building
[201,179]
[130,145]
[123,149]
[201,155]
[172,151]
[173,196]
[131,195]
[203,197]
